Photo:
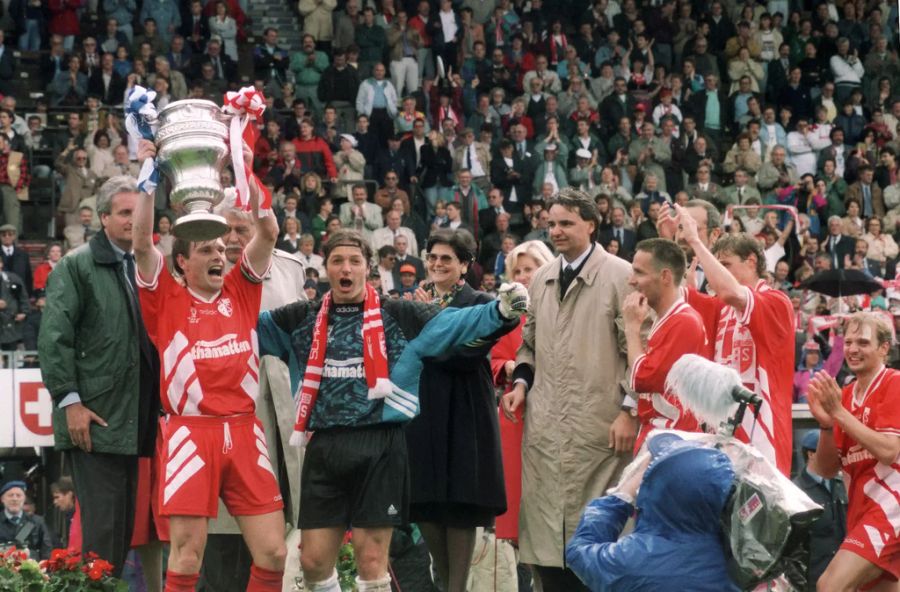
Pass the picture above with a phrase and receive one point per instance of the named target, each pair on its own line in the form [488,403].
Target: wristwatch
[631,411]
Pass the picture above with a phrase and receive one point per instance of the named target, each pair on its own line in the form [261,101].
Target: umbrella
[842,282]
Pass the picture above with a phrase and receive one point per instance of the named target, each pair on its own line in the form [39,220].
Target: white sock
[379,585]
[329,585]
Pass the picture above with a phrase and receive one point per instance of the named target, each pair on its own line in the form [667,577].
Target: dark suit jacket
[629,240]
[501,178]
[612,109]
[228,66]
[846,246]
[187,29]
[114,94]
[697,108]
[18,264]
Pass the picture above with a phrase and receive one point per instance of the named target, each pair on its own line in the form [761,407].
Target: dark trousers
[105,485]
[558,579]
[381,124]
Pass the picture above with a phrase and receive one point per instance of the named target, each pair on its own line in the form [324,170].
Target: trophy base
[200,226]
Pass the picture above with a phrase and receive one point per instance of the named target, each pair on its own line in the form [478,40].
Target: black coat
[845,247]
[31,531]
[13,293]
[454,443]
[629,240]
[114,94]
[19,264]
[436,165]
[612,109]
[501,178]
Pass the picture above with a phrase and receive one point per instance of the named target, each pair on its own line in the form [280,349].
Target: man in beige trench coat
[579,425]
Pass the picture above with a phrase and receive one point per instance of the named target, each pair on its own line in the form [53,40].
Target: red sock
[176,582]
[264,580]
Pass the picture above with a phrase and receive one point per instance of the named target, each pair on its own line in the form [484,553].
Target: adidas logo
[392,511]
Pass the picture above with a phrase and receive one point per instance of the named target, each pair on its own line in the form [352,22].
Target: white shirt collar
[576,263]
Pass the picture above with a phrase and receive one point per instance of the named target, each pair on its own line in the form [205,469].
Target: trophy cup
[192,149]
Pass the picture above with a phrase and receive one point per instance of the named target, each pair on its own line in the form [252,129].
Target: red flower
[71,563]
[91,556]
[96,572]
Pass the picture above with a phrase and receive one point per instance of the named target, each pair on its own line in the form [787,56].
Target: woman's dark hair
[101,134]
[461,241]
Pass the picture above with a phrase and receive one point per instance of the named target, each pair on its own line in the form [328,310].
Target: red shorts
[208,457]
[866,541]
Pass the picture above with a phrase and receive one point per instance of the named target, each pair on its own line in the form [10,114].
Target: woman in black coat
[435,170]
[456,471]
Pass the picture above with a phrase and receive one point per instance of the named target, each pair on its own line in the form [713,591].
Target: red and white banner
[26,409]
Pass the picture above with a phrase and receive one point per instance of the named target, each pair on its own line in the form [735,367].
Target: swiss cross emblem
[35,408]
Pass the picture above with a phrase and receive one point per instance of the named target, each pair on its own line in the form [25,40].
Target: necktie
[15,519]
[522,149]
[619,236]
[218,66]
[132,284]
[469,158]
[568,275]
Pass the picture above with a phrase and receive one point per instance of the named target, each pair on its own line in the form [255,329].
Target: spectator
[360,214]
[223,25]
[308,66]
[318,21]
[741,191]
[777,173]
[403,43]
[313,153]
[339,86]
[123,12]
[19,528]
[104,459]
[372,42]
[150,36]
[64,21]
[14,294]
[195,28]
[80,181]
[69,87]
[377,100]
[166,15]
[224,69]
[828,532]
[350,164]
[15,177]
[846,69]
[882,250]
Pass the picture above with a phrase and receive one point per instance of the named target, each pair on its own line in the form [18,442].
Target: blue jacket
[677,542]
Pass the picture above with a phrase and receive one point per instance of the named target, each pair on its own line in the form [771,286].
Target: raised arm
[146,256]
[259,250]
[720,279]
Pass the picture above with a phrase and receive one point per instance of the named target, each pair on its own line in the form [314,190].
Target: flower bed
[63,572]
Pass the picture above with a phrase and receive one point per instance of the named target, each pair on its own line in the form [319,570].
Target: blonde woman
[521,264]
[436,165]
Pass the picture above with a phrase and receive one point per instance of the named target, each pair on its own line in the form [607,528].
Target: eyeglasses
[445,259]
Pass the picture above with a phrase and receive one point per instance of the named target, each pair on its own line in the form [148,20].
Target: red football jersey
[208,349]
[873,487]
[759,344]
[678,332]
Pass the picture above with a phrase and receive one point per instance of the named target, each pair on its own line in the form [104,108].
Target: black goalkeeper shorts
[355,477]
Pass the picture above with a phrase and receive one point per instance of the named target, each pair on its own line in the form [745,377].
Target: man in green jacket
[102,373]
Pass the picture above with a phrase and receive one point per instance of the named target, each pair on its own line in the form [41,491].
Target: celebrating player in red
[861,431]
[205,331]
[754,332]
[657,270]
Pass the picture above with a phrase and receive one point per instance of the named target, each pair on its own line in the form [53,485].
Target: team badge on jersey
[225,307]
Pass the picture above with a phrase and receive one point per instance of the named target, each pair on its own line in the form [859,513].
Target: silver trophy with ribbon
[192,150]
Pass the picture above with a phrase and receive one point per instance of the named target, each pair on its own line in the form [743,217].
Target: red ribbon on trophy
[247,106]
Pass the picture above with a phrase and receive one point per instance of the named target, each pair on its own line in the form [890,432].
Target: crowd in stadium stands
[469,115]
